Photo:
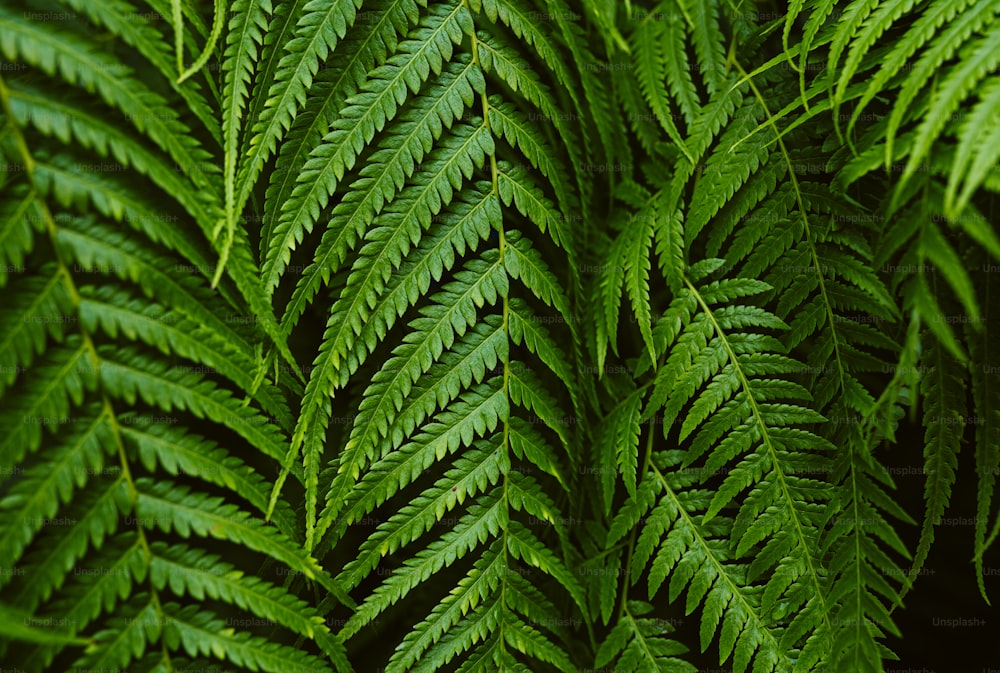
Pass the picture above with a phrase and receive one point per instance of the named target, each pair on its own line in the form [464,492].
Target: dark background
[947,588]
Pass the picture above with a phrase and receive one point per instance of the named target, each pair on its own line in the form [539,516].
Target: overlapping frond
[937,73]
[118,359]
[434,196]
[748,193]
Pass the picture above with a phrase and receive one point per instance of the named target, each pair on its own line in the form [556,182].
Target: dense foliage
[487,335]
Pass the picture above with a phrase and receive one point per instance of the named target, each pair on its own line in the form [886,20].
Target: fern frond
[120,18]
[684,544]
[983,391]
[740,412]
[331,88]
[651,67]
[388,170]
[63,471]
[178,452]
[68,120]
[112,311]
[171,507]
[65,375]
[515,16]
[709,42]
[453,312]
[129,374]
[944,404]
[95,245]
[499,58]
[101,585]
[96,516]
[366,112]
[318,29]
[506,123]
[977,60]
[638,644]
[246,29]
[938,33]
[192,572]
[17,235]
[62,53]
[199,632]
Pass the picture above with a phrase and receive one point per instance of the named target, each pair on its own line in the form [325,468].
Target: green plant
[471,335]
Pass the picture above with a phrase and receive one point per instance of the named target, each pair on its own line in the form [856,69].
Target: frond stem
[772,451]
[88,345]
[827,304]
